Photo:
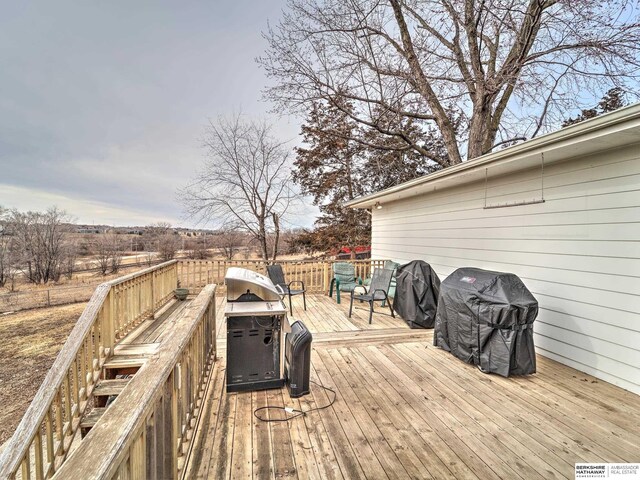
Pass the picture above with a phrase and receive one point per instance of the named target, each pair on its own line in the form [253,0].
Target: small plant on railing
[181,293]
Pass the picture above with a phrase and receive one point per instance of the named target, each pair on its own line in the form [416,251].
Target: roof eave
[620,116]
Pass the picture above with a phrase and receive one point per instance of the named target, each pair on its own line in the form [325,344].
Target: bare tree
[69,257]
[5,259]
[149,258]
[6,262]
[198,248]
[166,239]
[229,241]
[169,246]
[38,240]
[117,253]
[108,251]
[102,252]
[246,181]
[507,66]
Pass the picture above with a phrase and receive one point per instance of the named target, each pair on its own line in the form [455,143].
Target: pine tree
[343,159]
[612,100]
[331,170]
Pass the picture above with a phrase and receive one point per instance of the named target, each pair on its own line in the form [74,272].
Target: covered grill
[255,319]
[417,289]
[486,318]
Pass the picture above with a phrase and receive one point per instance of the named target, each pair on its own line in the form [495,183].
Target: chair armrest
[295,281]
[379,290]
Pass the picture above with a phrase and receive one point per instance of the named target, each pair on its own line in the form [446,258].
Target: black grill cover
[486,318]
[416,299]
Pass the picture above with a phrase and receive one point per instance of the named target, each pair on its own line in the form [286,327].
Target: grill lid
[240,281]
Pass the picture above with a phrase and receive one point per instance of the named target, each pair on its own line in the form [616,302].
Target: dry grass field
[65,291]
[30,341]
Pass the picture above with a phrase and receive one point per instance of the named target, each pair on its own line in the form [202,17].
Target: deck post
[325,277]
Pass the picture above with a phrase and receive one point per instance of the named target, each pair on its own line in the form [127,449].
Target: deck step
[124,362]
[89,420]
[137,349]
[122,365]
[106,388]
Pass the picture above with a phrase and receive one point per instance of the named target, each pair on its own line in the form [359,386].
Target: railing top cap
[130,276]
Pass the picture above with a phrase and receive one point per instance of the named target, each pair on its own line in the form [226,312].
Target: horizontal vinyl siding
[578,253]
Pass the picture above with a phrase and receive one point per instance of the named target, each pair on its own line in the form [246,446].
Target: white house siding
[578,253]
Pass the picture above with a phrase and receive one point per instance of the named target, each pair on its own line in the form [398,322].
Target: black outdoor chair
[277,277]
[378,291]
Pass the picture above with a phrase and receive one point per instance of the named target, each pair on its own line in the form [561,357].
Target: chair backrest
[381,279]
[344,271]
[391,265]
[276,274]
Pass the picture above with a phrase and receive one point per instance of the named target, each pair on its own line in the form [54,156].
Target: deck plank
[222,450]
[381,448]
[586,435]
[242,459]
[346,456]
[208,429]
[326,461]
[555,439]
[620,415]
[404,462]
[403,417]
[262,455]
[468,410]
[352,431]
[406,409]
[574,450]
[523,434]
[437,418]
[307,466]
[284,464]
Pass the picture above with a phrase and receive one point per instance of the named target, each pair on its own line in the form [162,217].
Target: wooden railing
[42,440]
[146,432]
[316,275]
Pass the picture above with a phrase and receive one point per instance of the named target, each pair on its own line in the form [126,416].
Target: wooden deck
[405,409]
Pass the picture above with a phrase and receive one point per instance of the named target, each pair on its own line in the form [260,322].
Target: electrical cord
[298,413]
[272,320]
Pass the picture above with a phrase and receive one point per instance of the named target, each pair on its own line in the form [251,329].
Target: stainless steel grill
[241,281]
[255,319]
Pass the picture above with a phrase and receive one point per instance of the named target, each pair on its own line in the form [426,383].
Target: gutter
[602,122]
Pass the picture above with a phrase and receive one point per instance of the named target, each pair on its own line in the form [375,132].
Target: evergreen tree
[343,159]
[331,170]
[612,100]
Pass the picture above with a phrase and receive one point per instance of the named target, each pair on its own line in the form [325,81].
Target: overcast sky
[103,104]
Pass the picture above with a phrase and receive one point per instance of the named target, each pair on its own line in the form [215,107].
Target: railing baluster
[51,454]
[67,401]
[59,418]
[39,463]
[26,468]
[76,386]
